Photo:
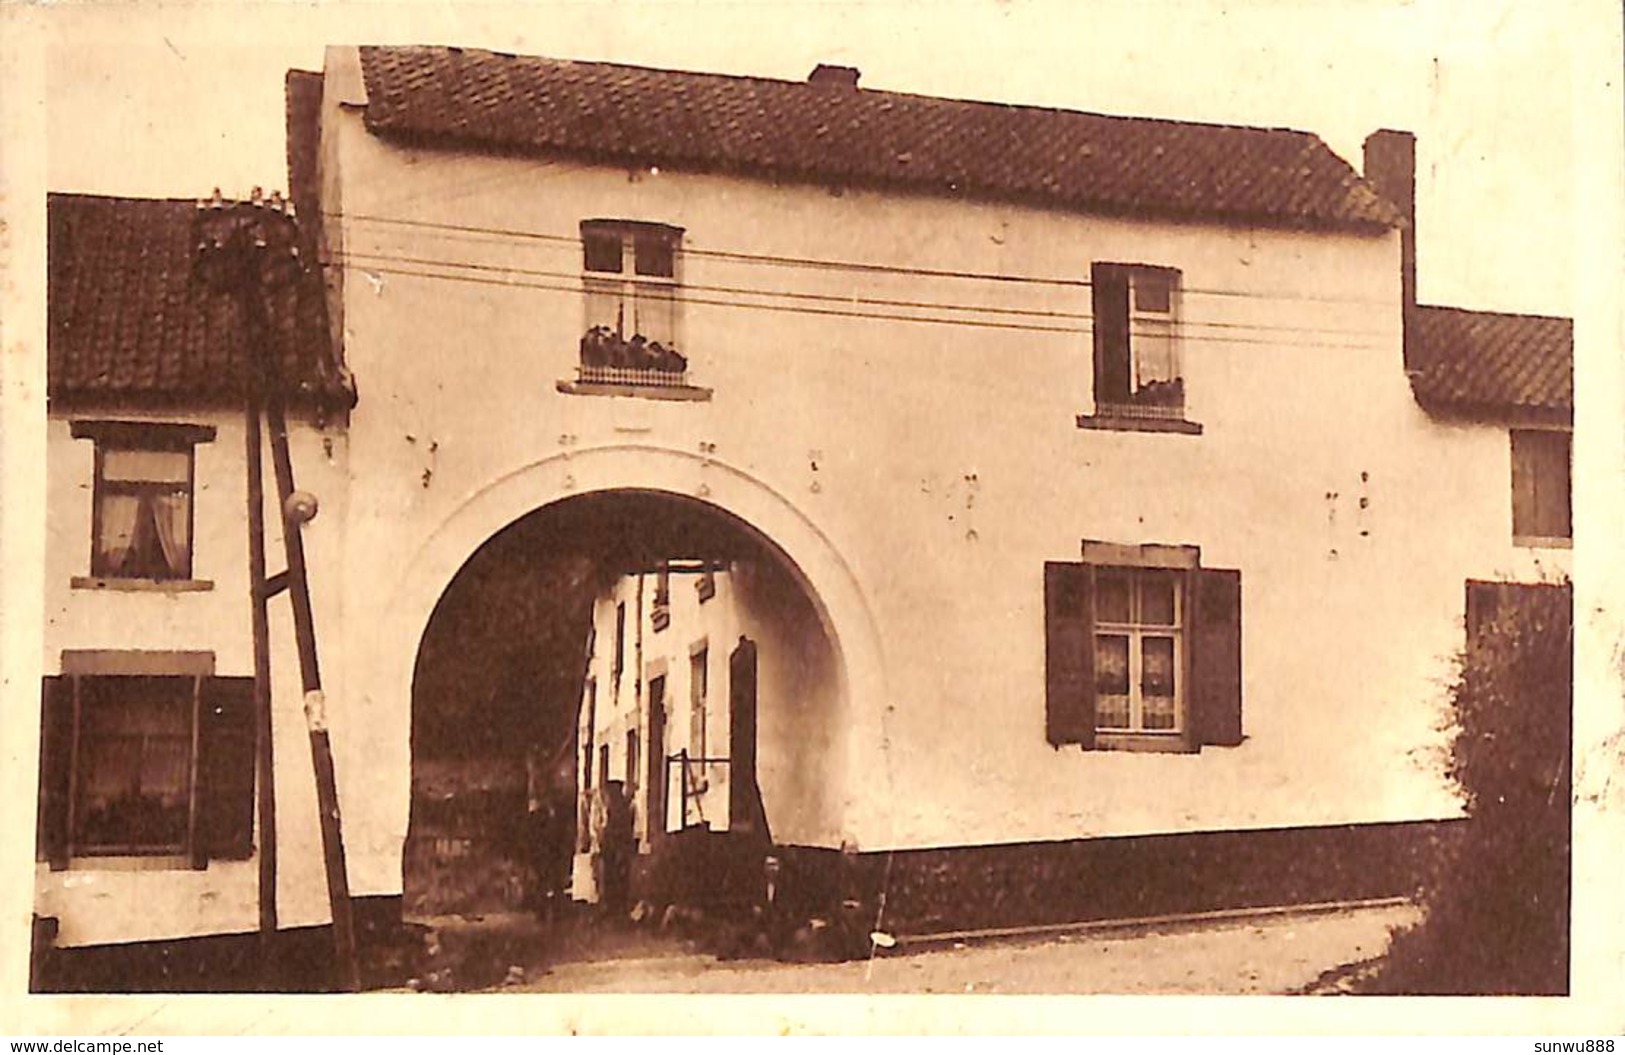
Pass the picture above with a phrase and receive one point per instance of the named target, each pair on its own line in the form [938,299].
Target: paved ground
[1274,954]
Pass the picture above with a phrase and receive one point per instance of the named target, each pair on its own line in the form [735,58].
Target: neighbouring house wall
[100,901]
[921,473]
[799,698]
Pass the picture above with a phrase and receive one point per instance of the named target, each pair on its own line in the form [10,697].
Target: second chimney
[1390,167]
[834,76]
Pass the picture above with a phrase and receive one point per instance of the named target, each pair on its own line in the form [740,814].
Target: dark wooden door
[745,811]
[656,755]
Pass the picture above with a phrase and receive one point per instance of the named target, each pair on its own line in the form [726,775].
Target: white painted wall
[99,901]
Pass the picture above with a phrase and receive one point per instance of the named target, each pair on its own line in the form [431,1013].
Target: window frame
[660,607]
[1527,467]
[627,286]
[1136,629]
[1136,414]
[699,695]
[141,437]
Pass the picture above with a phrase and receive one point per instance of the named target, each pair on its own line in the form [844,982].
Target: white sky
[171,100]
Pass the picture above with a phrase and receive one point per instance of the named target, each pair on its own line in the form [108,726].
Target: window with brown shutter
[1143,650]
[1541,500]
[146,754]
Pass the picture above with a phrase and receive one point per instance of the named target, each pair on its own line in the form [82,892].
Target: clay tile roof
[1490,362]
[128,324]
[835,133]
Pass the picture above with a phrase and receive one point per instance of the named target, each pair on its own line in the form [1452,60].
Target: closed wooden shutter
[55,768]
[1069,656]
[1540,484]
[1216,657]
[226,763]
[1110,286]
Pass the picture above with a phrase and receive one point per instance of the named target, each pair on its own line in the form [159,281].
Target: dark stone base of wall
[1076,881]
[298,960]
[718,871]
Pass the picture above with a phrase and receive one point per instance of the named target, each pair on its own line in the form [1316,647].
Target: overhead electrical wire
[861,267]
[679,294]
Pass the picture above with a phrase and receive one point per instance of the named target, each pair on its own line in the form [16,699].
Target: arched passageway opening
[623,695]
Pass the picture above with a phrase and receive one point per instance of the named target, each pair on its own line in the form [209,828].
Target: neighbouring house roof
[1486,362]
[842,134]
[128,324]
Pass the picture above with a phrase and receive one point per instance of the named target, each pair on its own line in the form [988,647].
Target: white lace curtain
[145,519]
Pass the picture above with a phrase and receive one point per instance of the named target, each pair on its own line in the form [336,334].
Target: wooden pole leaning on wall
[250,249]
[265,754]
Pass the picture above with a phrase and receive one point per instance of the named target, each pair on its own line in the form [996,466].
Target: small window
[699,685]
[619,657]
[1137,374]
[630,282]
[1541,495]
[660,613]
[141,518]
[706,585]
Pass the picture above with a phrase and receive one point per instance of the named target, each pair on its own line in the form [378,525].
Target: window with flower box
[629,276]
[1138,379]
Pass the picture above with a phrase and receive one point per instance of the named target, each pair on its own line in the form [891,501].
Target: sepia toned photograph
[989,498]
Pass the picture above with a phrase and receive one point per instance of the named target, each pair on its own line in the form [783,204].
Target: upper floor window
[142,515]
[1541,500]
[1137,374]
[629,275]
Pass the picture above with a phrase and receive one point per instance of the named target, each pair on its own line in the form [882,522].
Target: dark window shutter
[226,763]
[56,750]
[1110,287]
[1069,655]
[1216,657]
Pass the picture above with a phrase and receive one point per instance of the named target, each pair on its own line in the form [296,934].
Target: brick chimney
[834,76]
[1390,166]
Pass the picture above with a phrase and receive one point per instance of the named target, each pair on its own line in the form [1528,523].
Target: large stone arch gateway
[372,729]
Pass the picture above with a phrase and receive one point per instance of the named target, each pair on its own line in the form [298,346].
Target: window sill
[128,862]
[1145,743]
[668,393]
[94,582]
[1112,423]
[1542,542]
